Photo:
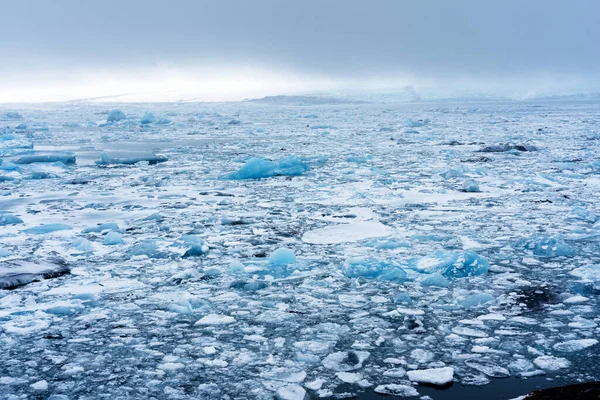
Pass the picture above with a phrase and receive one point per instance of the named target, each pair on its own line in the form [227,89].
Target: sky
[233,49]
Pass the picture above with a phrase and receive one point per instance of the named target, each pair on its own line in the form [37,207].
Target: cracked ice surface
[393,265]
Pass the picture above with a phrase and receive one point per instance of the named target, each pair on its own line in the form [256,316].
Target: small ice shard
[67,159]
[344,233]
[578,299]
[372,268]
[115,116]
[571,346]
[39,385]
[282,257]
[152,160]
[291,392]
[471,186]
[113,238]
[20,272]
[545,246]
[215,319]
[550,363]
[433,376]
[393,389]
[148,118]
[48,228]
[344,361]
[258,168]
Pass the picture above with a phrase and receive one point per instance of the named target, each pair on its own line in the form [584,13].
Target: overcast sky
[224,49]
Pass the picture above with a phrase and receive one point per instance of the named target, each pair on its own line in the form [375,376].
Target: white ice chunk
[434,376]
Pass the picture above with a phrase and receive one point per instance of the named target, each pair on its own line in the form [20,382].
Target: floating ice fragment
[343,233]
[550,363]
[545,246]
[291,392]
[8,219]
[115,116]
[147,247]
[372,268]
[394,389]
[113,238]
[385,244]
[476,300]
[48,228]
[435,279]
[433,376]
[195,251]
[571,346]
[20,272]
[343,361]
[109,226]
[282,257]
[451,265]
[83,245]
[148,118]
[40,385]
[67,159]
[215,319]
[152,160]
[471,186]
[490,369]
[258,168]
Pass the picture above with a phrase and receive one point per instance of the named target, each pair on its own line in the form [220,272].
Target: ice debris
[471,186]
[451,265]
[48,228]
[67,159]
[545,246]
[372,268]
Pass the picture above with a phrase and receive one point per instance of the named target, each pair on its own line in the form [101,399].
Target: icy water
[431,236]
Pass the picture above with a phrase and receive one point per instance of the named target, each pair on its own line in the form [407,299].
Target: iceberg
[433,376]
[113,238]
[148,118]
[48,228]
[115,116]
[258,168]
[8,219]
[282,257]
[152,160]
[67,159]
[108,226]
[82,245]
[471,186]
[21,272]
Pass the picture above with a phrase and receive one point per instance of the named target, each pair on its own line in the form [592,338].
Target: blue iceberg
[113,238]
[148,118]
[152,160]
[257,168]
[545,246]
[471,186]
[48,228]
[282,256]
[8,219]
[67,159]
[115,116]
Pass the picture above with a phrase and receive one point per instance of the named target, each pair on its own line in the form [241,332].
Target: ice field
[283,249]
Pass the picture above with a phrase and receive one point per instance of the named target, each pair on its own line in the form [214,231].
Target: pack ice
[296,247]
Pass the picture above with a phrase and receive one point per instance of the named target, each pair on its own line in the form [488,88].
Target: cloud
[419,43]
